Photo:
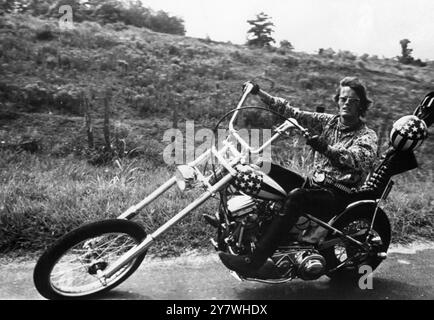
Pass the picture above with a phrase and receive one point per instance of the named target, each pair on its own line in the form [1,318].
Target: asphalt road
[406,274]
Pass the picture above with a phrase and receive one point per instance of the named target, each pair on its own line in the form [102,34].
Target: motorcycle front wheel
[69,269]
[357,225]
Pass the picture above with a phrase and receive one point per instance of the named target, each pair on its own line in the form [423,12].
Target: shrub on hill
[102,11]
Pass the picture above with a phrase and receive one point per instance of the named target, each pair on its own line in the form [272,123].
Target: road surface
[407,273]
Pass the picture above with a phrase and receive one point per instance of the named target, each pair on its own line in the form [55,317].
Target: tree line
[129,12]
[261,29]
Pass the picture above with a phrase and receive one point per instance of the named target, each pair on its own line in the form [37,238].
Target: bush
[241,57]
[45,34]
[286,62]
[328,53]
[111,11]
[162,22]
[68,98]
[117,26]
[364,57]
[306,83]
[35,96]
[419,63]
[346,55]
[285,44]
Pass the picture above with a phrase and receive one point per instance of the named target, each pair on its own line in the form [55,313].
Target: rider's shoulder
[333,119]
[364,127]
[366,131]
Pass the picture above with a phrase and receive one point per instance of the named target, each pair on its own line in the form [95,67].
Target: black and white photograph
[216,156]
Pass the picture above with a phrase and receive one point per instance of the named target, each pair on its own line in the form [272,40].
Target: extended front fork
[133,210]
[144,245]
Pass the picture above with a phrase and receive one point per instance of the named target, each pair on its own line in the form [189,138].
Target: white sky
[360,26]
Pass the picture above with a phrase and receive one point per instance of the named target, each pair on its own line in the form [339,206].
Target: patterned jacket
[351,153]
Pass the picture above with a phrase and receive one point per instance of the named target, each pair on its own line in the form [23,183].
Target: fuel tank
[255,183]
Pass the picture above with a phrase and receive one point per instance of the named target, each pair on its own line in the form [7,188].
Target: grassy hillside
[155,80]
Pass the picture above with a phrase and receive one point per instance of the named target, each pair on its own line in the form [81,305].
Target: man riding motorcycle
[347,151]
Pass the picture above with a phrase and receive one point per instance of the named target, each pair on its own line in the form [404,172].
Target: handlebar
[289,122]
[247,89]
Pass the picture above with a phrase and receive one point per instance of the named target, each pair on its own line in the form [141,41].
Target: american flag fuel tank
[255,183]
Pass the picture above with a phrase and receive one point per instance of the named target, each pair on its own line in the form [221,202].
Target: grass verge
[42,198]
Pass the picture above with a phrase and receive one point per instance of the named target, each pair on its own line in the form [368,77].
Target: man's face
[349,105]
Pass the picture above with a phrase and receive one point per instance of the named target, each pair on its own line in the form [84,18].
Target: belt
[321,179]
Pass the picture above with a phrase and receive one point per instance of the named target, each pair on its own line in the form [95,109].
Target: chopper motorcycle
[98,256]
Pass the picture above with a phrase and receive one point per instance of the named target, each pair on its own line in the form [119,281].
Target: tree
[406,57]
[285,44]
[162,22]
[260,31]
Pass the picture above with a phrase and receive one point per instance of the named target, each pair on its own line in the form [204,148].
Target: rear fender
[367,207]
[358,205]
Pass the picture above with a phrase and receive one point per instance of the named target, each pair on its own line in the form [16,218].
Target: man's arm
[313,121]
[360,156]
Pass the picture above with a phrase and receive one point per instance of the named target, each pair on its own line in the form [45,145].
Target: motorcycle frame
[237,158]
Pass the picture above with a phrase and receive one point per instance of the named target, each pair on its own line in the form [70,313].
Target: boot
[248,265]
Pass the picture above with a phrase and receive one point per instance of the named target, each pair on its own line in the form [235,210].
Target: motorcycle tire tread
[45,264]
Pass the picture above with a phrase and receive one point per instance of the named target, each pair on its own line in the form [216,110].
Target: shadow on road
[329,289]
[324,289]
[123,295]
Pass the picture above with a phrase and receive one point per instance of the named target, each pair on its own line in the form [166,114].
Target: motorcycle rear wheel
[357,223]
[69,268]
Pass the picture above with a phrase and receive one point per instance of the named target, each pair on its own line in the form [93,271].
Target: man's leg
[320,203]
[315,201]
[287,179]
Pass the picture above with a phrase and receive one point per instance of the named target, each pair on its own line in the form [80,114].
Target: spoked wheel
[70,268]
[348,256]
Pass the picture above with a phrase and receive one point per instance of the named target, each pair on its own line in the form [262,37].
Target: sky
[374,27]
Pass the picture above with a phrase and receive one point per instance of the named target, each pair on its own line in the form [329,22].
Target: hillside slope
[149,75]
[151,82]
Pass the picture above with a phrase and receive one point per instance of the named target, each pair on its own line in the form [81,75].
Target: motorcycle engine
[307,264]
[240,206]
[290,262]
[249,215]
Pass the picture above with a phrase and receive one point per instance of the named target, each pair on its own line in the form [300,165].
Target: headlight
[185,177]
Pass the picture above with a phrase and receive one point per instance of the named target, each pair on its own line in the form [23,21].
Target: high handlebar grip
[254,87]
[247,87]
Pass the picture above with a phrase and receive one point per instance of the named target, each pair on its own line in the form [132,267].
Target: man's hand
[255,88]
[317,143]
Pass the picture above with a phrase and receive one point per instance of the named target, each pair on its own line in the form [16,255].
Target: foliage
[7,5]
[102,11]
[159,80]
[260,31]
[16,6]
[326,52]
[346,55]
[34,211]
[406,57]
[285,44]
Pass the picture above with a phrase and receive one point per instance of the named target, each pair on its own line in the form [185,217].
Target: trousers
[303,196]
